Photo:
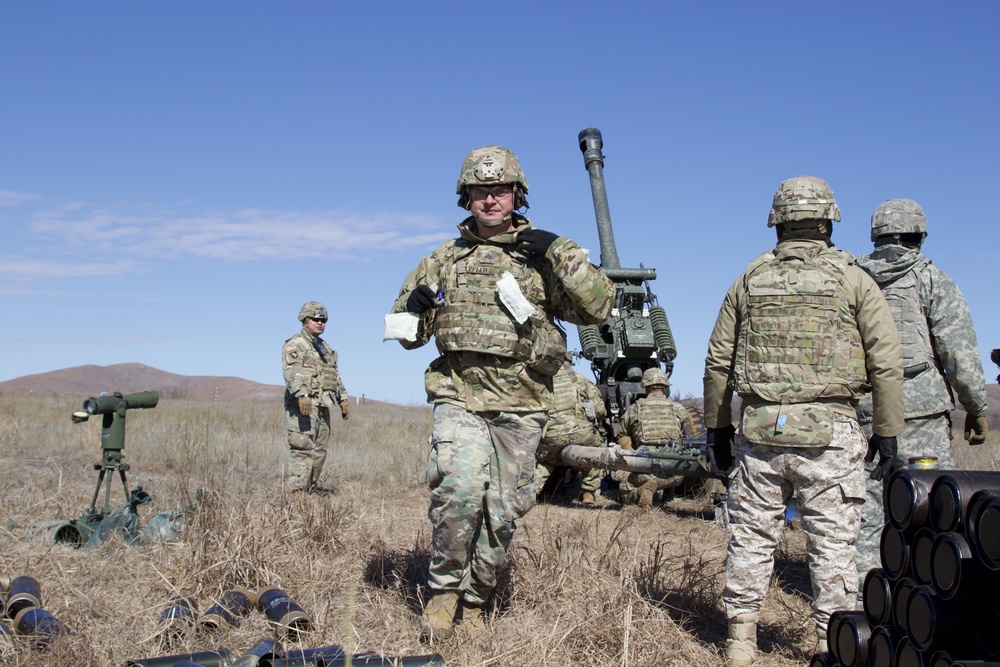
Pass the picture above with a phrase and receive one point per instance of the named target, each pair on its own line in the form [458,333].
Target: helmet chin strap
[494,223]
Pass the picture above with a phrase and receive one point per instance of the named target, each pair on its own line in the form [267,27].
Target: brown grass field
[583,586]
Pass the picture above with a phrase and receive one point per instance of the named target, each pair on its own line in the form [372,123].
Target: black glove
[886,448]
[720,441]
[421,299]
[535,242]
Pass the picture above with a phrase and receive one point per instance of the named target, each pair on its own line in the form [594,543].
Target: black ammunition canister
[227,611]
[295,662]
[321,653]
[850,645]
[40,625]
[876,597]
[433,660]
[264,647]
[921,545]
[987,636]
[23,593]
[933,624]
[178,616]
[985,533]
[976,505]
[882,647]
[283,610]
[956,573]
[907,655]
[940,659]
[951,493]
[822,660]
[907,498]
[217,658]
[901,592]
[894,550]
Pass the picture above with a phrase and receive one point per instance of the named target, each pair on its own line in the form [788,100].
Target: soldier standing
[940,356]
[649,424]
[801,336]
[575,418]
[312,388]
[490,299]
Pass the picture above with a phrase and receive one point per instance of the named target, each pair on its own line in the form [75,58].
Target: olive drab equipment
[492,165]
[800,342]
[898,216]
[657,423]
[803,198]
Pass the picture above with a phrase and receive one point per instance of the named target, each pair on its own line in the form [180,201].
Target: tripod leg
[93,501]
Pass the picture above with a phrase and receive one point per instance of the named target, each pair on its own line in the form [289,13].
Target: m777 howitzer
[634,338]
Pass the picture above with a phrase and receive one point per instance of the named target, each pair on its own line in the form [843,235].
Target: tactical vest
[322,374]
[473,319]
[799,341]
[656,422]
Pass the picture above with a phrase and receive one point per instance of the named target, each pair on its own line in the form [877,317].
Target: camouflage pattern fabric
[827,484]
[922,437]
[571,289]
[548,455]
[481,472]
[307,373]
[803,198]
[651,422]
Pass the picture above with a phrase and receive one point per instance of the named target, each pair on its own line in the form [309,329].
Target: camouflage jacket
[309,373]
[563,285]
[577,404]
[654,420]
[940,351]
[882,359]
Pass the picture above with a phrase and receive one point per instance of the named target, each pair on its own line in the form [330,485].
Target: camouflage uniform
[940,355]
[492,383]
[651,423]
[801,336]
[309,366]
[576,411]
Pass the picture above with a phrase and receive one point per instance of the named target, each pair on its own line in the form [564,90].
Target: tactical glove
[625,442]
[421,299]
[535,242]
[345,409]
[886,449]
[305,405]
[976,429]
[720,442]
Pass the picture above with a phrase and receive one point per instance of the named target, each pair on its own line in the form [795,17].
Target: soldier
[801,336]
[649,424]
[313,387]
[575,418]
[940,355]
[489,298]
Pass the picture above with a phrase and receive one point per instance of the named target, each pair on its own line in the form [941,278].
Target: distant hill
[133,377]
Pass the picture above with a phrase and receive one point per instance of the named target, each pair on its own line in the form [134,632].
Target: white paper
[511,296]
[401,326]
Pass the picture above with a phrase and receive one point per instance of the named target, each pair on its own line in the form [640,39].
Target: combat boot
[472,623]
[587,498]
[646,493]
[741,649]
[439,614]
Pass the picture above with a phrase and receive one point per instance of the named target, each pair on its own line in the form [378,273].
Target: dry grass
[594,586]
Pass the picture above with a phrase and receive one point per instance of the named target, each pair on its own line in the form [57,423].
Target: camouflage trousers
[828,487]
[628,489]
[548,455]
[921,437]
[308,436]
[481,472]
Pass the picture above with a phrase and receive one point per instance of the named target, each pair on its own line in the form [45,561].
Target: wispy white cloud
[9,199]
[19,268]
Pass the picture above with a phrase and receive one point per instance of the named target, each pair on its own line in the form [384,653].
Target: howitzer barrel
[691,463]
[591,144]
[217,658]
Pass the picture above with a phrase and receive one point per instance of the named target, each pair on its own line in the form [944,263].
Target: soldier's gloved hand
[976,429]
[535,241]
[345,408]
[421,299]
[886,450]
[720,441]
[625,442]
[305,405]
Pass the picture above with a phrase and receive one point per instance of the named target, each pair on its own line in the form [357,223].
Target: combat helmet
[492,165]
[654,377]
[313,310]
[803,198]
[898,216]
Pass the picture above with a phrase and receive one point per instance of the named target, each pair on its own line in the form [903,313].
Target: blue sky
[177,178]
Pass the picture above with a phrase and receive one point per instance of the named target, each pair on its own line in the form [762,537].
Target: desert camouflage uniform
[491,388]
[652,422]
[308,372]
[577,409]
[940,354]
[801,335]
